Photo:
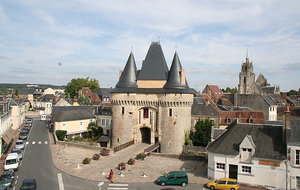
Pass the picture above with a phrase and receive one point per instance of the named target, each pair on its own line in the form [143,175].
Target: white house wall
[261,175]
[73,127]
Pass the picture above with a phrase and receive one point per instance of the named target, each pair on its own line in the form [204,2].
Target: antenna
[247,58]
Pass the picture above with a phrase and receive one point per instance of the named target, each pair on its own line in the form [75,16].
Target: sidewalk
[3,157]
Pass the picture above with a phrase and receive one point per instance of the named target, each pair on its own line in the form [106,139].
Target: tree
[230,90]
[96,130]
[83,100]
[76,84]
[187,140]
[292,92]
[202,132]
[17,93]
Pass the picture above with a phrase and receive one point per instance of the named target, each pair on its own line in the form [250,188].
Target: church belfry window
[146,112]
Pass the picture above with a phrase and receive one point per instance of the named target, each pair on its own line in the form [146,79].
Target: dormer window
[250,119]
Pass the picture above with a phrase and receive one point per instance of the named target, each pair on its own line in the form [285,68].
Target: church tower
[246,77]
[153,104]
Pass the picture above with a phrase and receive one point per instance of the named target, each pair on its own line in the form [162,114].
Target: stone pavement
[69,160]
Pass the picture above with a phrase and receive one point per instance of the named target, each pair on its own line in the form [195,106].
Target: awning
[9,135]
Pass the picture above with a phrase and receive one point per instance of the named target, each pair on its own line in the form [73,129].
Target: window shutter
[293,157]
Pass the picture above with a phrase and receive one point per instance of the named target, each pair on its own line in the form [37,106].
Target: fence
[152,147]
[122,146]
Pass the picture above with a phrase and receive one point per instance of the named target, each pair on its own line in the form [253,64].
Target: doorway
[233,171]
[146,135]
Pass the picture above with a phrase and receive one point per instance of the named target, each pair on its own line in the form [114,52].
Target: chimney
[286,124]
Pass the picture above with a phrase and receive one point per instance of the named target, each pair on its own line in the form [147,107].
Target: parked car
[223,184]
[7,178]
[12,162]
[19,152]
[20,145]
[174,178]
[23,135]
[29,184]
[3,187]
[26,128]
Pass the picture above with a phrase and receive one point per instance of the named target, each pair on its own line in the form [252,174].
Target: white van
[43,117]
[12,161]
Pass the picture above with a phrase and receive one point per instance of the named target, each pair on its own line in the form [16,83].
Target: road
[37,163]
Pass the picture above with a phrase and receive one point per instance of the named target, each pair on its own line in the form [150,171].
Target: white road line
[33,142]
[27,142]
[46,142]
[117,185]
[40,142]
[117,188]
[60,182]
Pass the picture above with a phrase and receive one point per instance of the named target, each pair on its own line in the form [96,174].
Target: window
[123,110]
[170,112]
[250,119]
[221,166]
[140,116]
[298,182]
[221,182]
[246,169]
[297,157]
[227,120]
[146,112]
[232,182]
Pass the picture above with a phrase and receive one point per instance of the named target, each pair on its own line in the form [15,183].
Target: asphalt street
[37,163]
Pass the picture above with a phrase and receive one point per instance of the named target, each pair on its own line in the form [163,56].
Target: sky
[54,41]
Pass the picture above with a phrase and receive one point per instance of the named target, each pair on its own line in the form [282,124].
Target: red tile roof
[243,116]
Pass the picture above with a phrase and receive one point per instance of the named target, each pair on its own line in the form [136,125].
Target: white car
[20,144]
[11,162]
[19,152]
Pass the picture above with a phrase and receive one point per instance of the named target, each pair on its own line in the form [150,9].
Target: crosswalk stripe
[117,188]
[40,142]
[117,184]
[33,142]
[46,142]
[27,142]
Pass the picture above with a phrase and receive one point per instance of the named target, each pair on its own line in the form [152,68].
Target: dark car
[29,184]
[23,135]
[7,179]
[26,128]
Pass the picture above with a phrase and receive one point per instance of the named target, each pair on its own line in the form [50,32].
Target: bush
[86,161]
[130,161]
[60,134]
[140,156]
[122,166]
[96,157]
[104,152]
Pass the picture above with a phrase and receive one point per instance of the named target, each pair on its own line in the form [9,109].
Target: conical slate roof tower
[128,76]
[176,77]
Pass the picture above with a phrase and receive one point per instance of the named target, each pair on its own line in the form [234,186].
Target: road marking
[14,188]
[117,185]
[27,142]
[33,142]
[60,182]
[46,142]
[40,142]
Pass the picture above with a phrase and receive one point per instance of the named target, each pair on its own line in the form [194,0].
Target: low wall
[202,158]
[73,144]
[193,149]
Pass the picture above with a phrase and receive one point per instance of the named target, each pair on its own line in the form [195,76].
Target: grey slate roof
[72,113]
[268,89]
[268,100]
[199,108]
[174,74]
[26,90]
[128,76]
[294,135]
[154,67]
[104,92]
[267,138]
[217,132]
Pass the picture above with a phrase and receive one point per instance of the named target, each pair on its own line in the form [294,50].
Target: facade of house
[18,110]
[73,119]
[49,91]
[214,92]
[6,124]
[293,151]
[251,153]
[152,104]
[62,102]
[258,102]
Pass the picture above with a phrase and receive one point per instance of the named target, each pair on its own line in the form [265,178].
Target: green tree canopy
[202,133]
[76,84]
[96,130]
[292,92]
[230,90]
[83,100]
